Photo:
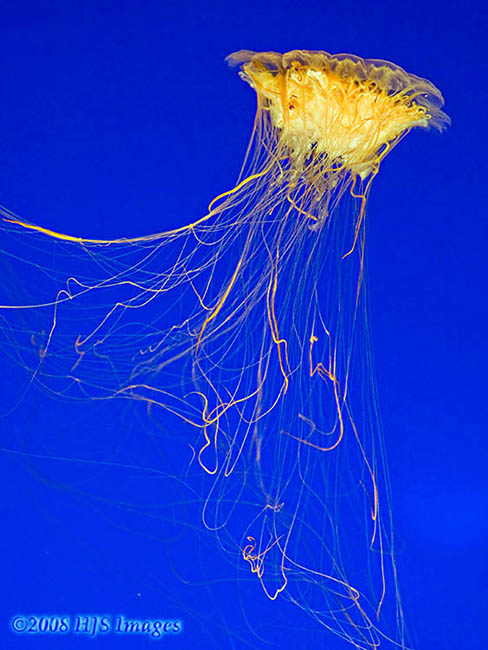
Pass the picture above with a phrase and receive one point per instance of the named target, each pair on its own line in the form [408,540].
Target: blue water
[123,120]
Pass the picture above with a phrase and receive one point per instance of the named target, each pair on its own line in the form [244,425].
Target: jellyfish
[246,331]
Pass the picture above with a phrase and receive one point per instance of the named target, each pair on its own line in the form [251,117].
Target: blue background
[123,119]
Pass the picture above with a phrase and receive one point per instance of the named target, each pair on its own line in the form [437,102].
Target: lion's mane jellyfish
[246,332]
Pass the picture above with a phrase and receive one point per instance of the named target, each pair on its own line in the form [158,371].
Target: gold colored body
[344,107]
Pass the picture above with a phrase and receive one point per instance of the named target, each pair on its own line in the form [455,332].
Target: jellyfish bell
[350,110]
